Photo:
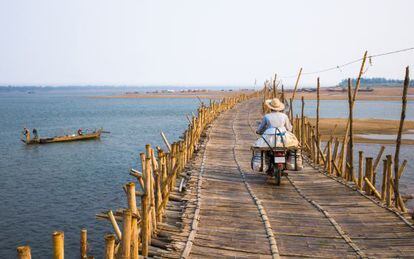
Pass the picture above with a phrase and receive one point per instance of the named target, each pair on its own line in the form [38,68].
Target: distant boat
[65,138]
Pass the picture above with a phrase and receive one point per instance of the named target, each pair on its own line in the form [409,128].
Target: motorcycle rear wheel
[278,175]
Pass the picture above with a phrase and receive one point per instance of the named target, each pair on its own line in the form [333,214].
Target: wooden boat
[66,138]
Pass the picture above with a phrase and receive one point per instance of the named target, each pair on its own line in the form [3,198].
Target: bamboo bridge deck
[228,211]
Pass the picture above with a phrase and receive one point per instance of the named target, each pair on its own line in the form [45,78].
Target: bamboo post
[350,137]
[317,118]
[166,141]
[328,166]
[83,244]
[24,252]
[334,154]
[114,225]
[145,207]
[296,84]
[368,173]
[302,136]
[378,159]
[360,168]
[132,205]
[372,188]
[384,180]
[109,246]
[400,129]
[358,82]
[282,96]
[126,233]
[388,180]
[274,87]
[58,245]
[291,111]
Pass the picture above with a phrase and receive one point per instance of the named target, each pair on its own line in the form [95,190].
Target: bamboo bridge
[244,215]
[200,199]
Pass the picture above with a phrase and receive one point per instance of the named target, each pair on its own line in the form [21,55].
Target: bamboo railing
[153,186]
[337,157]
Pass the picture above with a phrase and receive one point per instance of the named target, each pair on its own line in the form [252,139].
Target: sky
[199,43]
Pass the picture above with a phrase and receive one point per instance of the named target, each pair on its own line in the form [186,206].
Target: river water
[62,186]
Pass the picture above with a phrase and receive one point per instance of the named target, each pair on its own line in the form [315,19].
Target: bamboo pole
[126,232]
[282,96]
[296,84]
[274,87]
[109,246]
[358,82]
[114,224]
[384,180]
[145,207]
[58,245]
[350,137]
[368,173]
[360,169]
[132,205]
[388,180]
[84,244]
[378,159]
[318,86]
[24,252]
[291,111]
[402,167]
[400,129]
[328,166]
[372,188]
[335,152]
[302,136]
[164,138]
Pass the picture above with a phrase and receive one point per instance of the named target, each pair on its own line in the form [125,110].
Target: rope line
[370,57]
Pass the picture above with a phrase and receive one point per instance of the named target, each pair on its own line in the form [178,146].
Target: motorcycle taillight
[279,154]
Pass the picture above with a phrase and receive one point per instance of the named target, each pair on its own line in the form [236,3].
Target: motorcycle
[274,160]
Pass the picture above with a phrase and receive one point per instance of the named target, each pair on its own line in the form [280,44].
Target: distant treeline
[376,81]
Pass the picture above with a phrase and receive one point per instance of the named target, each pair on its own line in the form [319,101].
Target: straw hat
[275,104]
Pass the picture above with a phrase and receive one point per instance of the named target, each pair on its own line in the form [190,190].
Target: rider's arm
[262,127]
[288,125]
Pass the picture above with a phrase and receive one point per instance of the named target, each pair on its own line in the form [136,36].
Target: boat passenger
[35,135]
[26,133]
[80,132]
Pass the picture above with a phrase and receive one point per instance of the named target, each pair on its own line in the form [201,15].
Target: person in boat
[26,133]
[35,134]
[276,124]
[80,132]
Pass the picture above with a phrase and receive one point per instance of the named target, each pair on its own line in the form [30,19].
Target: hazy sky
[193,42]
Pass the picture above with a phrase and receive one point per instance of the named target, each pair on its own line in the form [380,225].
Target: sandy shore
[364,127]
[379,94]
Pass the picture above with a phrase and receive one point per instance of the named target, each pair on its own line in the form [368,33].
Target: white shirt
[274,120]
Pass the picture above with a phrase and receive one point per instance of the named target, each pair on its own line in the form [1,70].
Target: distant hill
[376,81]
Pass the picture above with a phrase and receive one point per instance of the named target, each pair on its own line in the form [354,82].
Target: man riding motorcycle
[276,123]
